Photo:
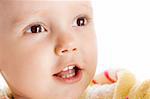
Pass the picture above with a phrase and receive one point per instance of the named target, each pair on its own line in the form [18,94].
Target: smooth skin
[29,57]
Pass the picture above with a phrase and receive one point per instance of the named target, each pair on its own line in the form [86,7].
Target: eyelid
[34,23]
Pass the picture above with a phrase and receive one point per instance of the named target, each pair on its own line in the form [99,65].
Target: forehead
[26,7]
[31,5]
[2,2]
[20,10]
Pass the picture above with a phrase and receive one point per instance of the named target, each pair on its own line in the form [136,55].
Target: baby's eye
[80,21]
[37,28]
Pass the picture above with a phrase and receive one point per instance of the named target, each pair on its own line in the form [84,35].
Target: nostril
[63,51]
[74,49]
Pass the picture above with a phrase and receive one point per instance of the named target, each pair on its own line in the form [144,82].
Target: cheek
[25,65]
[90,53]
[91,56]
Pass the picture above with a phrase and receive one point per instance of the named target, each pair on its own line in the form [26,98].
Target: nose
[66,45]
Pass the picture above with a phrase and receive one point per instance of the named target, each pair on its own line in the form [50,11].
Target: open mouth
[69,74]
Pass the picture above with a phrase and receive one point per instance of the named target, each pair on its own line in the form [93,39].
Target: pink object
[108,77]
[94,82]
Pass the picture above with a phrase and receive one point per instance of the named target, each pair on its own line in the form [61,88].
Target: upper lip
[65,65]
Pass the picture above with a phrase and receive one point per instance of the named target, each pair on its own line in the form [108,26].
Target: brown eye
[81,21]
[36,29]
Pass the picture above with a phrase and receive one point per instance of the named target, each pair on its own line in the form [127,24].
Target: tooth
[68,76]
[63,76]
[65,69]
[68,67]
[71,67]
[73,74]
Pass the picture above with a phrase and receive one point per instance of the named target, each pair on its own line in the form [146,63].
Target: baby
[47,48]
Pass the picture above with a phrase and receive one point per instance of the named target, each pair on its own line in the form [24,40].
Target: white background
[123,34]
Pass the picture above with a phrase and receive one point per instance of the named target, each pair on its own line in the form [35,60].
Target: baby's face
[47,48]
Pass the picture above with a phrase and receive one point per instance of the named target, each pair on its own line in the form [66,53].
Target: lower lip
[70,80]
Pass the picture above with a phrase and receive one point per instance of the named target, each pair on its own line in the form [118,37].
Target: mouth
[70,74]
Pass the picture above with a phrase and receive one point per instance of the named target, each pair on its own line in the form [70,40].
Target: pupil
[80,21]
[36,28]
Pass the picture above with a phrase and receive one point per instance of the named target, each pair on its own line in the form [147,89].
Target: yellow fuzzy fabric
[126,87]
